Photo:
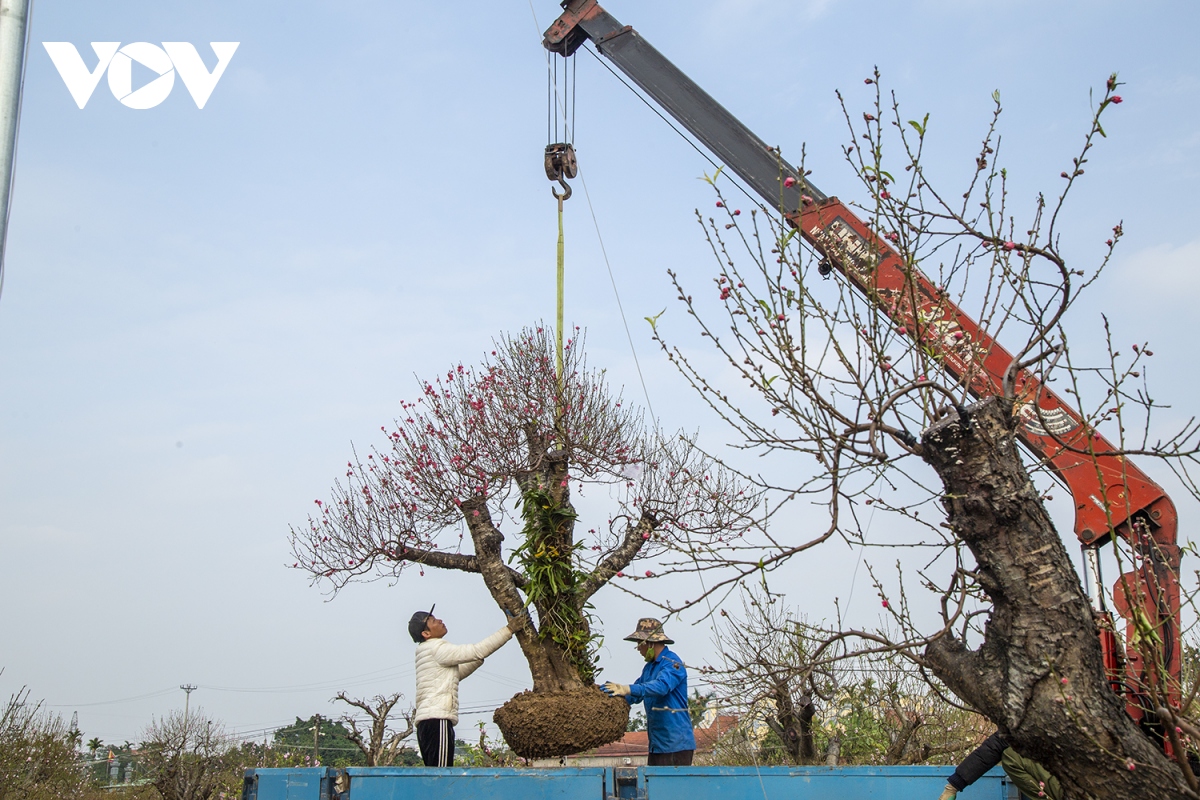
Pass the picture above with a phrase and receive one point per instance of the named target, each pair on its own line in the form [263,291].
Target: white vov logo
[172,57]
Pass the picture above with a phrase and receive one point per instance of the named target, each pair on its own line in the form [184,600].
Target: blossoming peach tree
[499,447]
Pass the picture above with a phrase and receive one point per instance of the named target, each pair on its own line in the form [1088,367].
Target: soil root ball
[548,724]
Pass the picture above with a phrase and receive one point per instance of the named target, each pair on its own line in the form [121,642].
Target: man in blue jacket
[664,691]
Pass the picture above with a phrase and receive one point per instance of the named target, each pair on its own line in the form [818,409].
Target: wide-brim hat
[649,630]
[417,622]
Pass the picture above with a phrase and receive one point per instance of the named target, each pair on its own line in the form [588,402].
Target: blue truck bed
[617,783]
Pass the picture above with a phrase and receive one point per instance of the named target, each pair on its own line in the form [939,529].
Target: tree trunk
[549,665]
[902,737]
[792,726]
[488,542]
[833,751]
[1038,673]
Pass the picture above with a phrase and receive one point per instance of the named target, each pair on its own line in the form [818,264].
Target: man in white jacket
[440,666]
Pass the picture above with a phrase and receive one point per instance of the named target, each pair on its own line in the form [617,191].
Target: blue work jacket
[664,691]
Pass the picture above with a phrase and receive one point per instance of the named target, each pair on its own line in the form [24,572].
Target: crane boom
[1112,497]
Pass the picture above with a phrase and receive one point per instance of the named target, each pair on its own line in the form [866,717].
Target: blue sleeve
[664,681]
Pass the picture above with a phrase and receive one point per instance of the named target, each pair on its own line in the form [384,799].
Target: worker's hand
[615,689]
[516,622]
[949,793]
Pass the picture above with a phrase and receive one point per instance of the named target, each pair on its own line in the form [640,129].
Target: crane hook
[560,165]
[566,195]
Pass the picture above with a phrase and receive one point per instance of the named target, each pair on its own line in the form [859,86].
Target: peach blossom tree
[513,435]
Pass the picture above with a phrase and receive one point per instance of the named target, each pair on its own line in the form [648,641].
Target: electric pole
[316,740]
[188,688]
[14,35]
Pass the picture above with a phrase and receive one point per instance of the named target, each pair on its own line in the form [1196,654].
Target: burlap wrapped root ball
[551,724]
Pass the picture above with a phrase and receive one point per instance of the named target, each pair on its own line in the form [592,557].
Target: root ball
[548,724]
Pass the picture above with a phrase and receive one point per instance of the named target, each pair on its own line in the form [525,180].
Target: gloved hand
[615,689]
[515,621]
[949,793]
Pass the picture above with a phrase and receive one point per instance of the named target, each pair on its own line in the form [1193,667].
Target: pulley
[560,165]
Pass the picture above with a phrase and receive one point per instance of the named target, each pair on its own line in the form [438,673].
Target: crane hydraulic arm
[1113,498]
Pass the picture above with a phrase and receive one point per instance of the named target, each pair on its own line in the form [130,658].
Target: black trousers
[680,758]
[435,737]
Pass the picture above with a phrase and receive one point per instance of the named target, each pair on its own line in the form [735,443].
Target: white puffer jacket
[441,665]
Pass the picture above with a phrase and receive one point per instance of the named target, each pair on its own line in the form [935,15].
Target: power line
[333,683]
[158,693]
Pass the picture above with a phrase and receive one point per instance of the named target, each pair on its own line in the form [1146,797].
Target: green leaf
[654,320]
[712,181]
[765,306]
[996,96]
[918,127]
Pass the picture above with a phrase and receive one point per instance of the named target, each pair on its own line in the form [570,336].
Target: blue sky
[204,308]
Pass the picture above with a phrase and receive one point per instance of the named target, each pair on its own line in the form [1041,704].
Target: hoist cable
[653,108]
[617,295]
[673,127]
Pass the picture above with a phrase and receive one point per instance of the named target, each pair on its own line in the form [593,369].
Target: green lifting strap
[559,323]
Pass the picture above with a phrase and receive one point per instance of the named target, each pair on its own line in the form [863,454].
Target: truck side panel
[621,783]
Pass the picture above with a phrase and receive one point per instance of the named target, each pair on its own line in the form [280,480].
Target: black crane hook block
[560,165]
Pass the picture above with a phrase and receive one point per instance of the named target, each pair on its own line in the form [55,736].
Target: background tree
[832,710]
[518,429]
[185,757]
[38,758]
[698,705]
[330,739]
[851,380]
[378,743]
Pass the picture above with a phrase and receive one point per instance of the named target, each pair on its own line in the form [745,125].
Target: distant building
[632,749]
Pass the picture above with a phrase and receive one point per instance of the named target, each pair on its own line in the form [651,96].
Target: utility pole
[14,35]
[316,740]
[188,688]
